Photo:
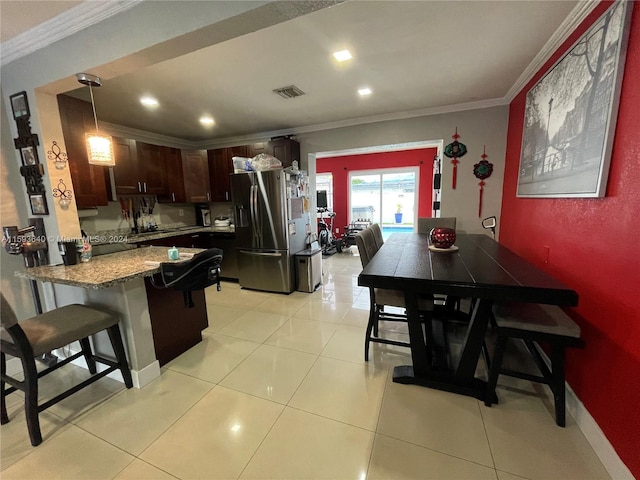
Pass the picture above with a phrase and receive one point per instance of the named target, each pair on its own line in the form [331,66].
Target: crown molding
[566,28]
[351,122]
[146,136]
[61,26]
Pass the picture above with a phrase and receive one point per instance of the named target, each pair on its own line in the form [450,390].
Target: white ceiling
[416,56]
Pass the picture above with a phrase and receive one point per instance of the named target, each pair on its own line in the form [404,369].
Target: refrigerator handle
[254,211]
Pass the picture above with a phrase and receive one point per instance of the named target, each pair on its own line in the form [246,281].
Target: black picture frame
[20,105]
[29,155]
[38,204]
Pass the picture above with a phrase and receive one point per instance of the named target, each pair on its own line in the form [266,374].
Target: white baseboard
[147,374]
[596,438]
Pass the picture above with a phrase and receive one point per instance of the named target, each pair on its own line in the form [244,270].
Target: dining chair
[48,331]
[377,234]
[379,298]
[426,224]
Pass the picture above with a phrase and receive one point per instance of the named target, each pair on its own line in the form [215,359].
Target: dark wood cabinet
[284,149]
[220,169]
[256,148]
[153,173]
[175,328]
[175,178]
[125,170]
[224,241]
[195,170]
[139,168]
[89,181]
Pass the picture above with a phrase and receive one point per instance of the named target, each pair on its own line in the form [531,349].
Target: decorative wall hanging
[38,204]
[63,194]
[570,114]
[58,156]
[33,178]
[29,156]
[455,150]
[482,170]
[20,105]
[26,142]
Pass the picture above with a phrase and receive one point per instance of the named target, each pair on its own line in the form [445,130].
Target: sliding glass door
[388,197]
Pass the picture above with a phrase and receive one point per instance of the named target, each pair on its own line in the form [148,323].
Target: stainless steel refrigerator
[271,225]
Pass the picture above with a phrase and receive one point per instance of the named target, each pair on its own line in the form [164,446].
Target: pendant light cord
[93,105]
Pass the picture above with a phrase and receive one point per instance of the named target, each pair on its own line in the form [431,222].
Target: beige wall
[477,128]
[13,211]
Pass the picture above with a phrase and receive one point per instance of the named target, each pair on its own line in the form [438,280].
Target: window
[324,181]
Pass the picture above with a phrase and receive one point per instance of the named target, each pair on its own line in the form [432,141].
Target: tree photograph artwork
[571,112]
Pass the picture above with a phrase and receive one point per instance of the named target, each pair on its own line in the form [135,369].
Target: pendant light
[99,147]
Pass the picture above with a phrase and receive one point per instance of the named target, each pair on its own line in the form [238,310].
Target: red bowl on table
[442,237]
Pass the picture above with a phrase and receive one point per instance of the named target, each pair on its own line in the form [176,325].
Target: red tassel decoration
[483,169]
[455,150]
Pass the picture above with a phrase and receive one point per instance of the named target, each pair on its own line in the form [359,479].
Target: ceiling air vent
[289,92]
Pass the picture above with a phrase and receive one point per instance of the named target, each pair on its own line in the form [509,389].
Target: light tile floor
[279,389]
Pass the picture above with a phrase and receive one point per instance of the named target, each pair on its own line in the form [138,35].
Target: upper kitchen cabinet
[175,177]
[284,149]
[89,181]
[220,169]
[256,148]
[195,170]
[139,169]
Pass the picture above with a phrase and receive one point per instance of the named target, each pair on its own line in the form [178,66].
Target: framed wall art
[570,114]
[20,105]
[38,204]
[29,156]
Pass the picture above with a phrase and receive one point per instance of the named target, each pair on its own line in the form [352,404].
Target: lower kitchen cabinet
[175,328]
[224,241]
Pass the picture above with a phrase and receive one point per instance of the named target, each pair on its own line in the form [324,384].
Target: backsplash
[109,218]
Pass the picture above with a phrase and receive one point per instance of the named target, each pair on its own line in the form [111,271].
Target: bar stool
[48,331]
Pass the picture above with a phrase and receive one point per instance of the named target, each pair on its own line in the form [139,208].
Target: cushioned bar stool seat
[48,331]
[534,324]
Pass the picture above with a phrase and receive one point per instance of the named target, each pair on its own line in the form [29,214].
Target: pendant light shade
[99,147]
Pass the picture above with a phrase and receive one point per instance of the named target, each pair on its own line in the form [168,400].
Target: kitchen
[481,126]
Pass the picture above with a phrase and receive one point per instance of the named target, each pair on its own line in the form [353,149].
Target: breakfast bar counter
[106,270]
[153,323]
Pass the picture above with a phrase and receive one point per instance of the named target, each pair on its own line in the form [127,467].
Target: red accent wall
[593,246]
[339,167]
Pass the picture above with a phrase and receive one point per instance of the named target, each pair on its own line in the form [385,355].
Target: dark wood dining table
[481,269]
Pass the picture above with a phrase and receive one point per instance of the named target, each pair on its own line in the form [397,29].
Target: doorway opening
[388,197]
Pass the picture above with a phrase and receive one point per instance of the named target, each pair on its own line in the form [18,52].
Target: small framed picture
[38,204]
[29,155]
[20,105]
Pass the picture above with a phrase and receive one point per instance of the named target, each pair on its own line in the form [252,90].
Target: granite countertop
[105,270]
[123,236]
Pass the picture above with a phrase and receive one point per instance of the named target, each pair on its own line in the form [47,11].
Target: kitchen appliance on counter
[203,215]
[270,226]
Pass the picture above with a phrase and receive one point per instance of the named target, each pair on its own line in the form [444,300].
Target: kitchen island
[120,282]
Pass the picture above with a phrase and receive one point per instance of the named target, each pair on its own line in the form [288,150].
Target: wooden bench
[534,324]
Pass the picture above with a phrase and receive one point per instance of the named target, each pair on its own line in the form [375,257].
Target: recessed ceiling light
[149,102]
[364,91]
[342,55]
[207,121]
